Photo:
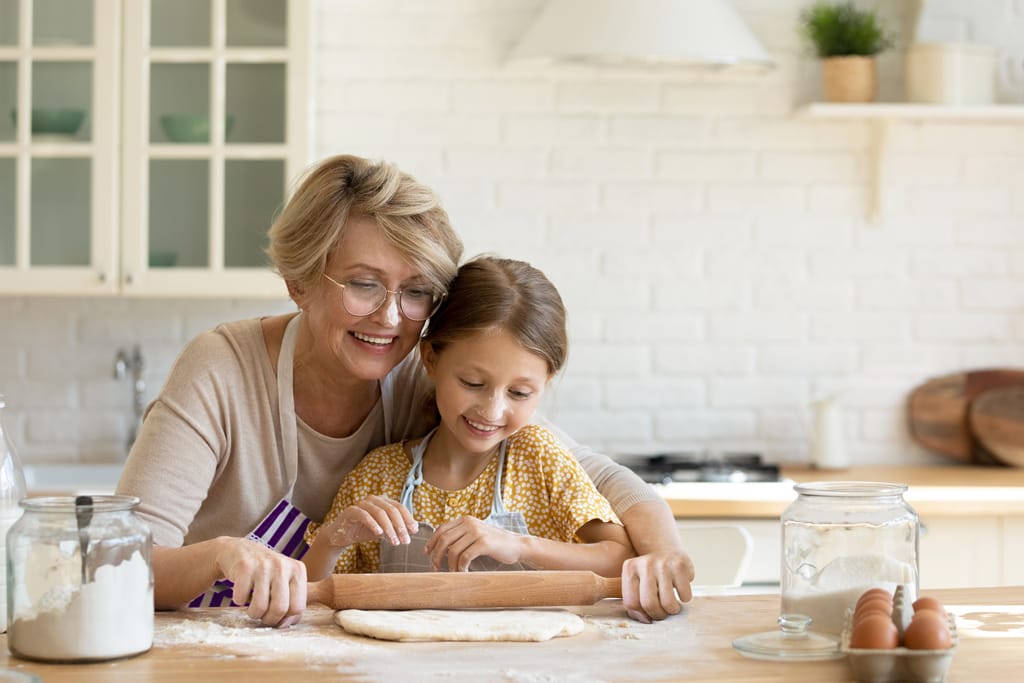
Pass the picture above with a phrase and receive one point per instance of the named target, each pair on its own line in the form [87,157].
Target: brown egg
[928,630]
[925,602]
[873,605]
[872,593]
[874,632]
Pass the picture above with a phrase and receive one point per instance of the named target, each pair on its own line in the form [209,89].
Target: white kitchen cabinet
[126,203]
[961,552]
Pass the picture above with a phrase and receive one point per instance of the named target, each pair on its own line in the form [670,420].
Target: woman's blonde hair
[408,213]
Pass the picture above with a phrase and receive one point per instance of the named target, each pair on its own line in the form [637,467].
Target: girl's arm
[605,547]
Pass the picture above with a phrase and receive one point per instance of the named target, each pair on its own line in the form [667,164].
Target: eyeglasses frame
[398,301]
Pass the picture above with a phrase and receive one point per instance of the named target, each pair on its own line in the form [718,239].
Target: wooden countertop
[193,646]
[952,491]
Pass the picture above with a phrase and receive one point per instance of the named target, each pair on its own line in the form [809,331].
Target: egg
[874,632]
[872,593]
[877,604]
[928,630]
[925,602]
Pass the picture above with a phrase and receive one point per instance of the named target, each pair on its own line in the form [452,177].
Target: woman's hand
[372,518]
[466,538]
[654,585]
[273,584]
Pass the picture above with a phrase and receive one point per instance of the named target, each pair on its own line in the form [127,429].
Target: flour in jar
[826,596]
[110,616]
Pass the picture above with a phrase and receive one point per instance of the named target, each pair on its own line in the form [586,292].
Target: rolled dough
[430,624]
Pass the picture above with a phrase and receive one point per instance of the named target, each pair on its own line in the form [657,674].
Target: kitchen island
[224,645]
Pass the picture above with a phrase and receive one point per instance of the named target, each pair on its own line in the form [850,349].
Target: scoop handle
[453,590]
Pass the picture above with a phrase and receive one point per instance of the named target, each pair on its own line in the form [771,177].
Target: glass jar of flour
[838,540]
[80,580]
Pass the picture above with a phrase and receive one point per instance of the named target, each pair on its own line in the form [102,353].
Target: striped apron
[284,527]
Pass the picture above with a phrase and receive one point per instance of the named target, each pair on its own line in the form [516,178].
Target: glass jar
[838,540]
[80,580]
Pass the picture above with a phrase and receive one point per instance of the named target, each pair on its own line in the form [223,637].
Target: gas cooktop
[664,468]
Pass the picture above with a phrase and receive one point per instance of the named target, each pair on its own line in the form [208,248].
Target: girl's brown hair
[510,295]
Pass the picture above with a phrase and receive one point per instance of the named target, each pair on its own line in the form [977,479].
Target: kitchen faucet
[133,363]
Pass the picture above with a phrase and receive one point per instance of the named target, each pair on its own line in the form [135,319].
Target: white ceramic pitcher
[828,444]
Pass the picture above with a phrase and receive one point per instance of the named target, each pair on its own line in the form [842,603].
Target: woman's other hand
[466,538]
[273,584]
[655,585]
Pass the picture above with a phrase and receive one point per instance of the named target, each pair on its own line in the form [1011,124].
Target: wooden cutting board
[453,590]
[937,411]
[996,418]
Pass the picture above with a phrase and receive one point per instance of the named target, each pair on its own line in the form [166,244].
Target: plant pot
[849,79]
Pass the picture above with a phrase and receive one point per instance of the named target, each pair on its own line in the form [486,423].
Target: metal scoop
[83,515]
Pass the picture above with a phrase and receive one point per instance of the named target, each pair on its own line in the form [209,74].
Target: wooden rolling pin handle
[454,590]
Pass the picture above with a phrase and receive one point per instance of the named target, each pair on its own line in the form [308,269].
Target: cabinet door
[215,102]
[59,75]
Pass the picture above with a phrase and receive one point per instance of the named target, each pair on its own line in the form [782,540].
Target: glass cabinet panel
[7,216]
[62,22]
[180,103]
[61,207]
[179,23]
[9,22]
[179,213]
[61,100]
[257,23]
[8,100]
[253,194]
[255,100]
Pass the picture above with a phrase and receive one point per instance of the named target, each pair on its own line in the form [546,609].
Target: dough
[476,624]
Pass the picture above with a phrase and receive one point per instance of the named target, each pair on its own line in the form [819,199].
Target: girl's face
[488,387]
[366,347]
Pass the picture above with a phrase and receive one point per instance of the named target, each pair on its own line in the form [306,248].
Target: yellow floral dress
[542,480]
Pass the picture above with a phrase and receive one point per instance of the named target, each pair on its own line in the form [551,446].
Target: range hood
[705,33]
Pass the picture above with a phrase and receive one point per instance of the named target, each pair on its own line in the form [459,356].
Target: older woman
[260,419]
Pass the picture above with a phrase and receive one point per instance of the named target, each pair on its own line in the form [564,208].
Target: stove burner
[664,468]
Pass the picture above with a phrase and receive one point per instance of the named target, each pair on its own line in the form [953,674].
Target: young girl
[485,489]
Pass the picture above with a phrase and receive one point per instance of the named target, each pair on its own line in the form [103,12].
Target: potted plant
[847,40]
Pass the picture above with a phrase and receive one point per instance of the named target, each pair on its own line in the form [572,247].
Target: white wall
[711,246]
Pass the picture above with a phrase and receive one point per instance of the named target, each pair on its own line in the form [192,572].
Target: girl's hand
[273,584]
[466,538]
[372,518]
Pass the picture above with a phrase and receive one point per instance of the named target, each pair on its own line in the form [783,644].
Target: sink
[71,478]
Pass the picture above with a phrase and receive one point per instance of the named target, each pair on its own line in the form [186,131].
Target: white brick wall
[712,248]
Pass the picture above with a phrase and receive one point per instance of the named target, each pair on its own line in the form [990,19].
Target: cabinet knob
[102,275]
[129,278]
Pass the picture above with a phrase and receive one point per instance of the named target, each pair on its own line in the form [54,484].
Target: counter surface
[954,491]
[206,645]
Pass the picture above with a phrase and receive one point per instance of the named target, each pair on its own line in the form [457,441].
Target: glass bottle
[81,580]
[12,490]
[839,539]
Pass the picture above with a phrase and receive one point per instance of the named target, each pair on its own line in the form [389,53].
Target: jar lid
[66,504]
[850,489]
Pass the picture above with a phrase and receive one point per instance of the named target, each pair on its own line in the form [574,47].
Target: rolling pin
[452,590]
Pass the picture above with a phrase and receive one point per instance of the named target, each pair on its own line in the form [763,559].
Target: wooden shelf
[914,112]
[880,115]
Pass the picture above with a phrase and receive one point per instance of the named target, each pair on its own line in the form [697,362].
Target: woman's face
[488,388]
[366,347]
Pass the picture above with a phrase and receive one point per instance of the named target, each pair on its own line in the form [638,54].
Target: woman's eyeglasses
[365,297]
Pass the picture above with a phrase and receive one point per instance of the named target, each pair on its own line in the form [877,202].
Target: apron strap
[286,403]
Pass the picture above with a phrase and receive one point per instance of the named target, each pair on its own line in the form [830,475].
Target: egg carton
[900,663]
